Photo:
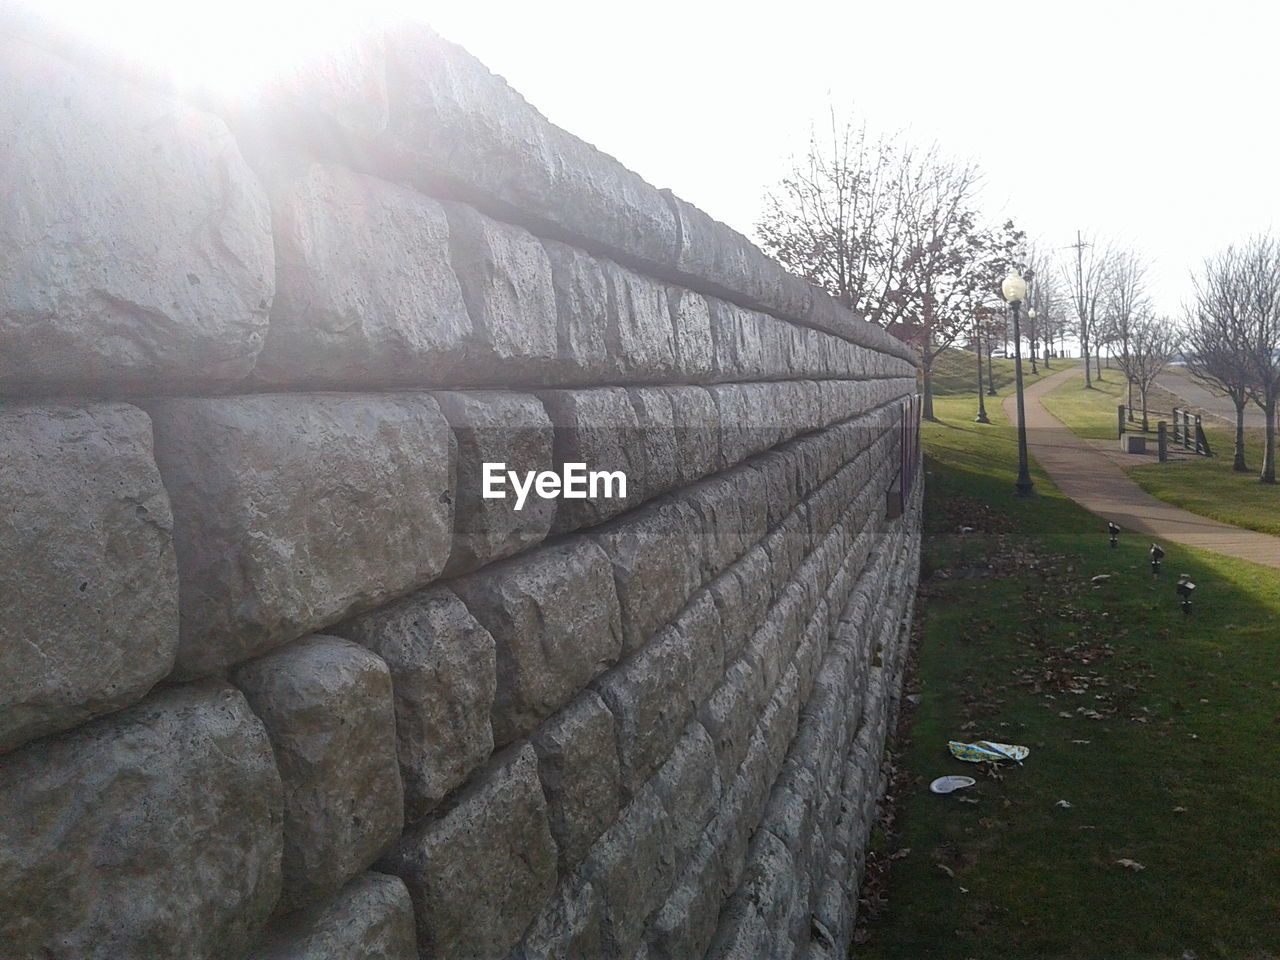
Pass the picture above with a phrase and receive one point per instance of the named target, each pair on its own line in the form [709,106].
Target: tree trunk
[1084,351]
[1239,466]
[1097,362]
[1143,391]
[1269,448]
[927,375]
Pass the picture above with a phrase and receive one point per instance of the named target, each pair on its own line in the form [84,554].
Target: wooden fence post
[1162,441]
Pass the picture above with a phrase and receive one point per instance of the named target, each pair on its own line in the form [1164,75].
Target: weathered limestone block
[656,557]
[480,872]
[578,763]
[365,292]
[727,262]
[371,918]
[641,336]
[137,243]
[720,503]
[657,439]
[649,697]
[753,923]
[570,926]
[689,785]
[554,618]
[582,303]
[294,511]
[493,426]
[443,676]
[729,716]
[633,866]
[697,426]
[327,707]
[699,623]
[154,832]
[454,124]
[89,620]
[600,429]
[691,320]
[505,276]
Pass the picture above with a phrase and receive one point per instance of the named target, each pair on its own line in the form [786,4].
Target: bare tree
[1215,335]
[1045,298]
[1151,343]
[838,218]
[1125,303]
[1085,277]
[1259,280]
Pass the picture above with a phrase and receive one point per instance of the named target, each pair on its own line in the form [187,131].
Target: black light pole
[1014,290]
[977,339]
[1031,347]
[991,368]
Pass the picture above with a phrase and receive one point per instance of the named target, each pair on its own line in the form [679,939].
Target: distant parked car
[1000,354]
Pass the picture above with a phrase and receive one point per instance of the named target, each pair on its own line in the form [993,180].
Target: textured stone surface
[443,678]
[453,123]
[554,618]
[137,243]
[293,511]
[154,832]
[371,918]
[656,557]
[582,303]
[90,618]
[504,428]
[506,282]
[570,926]
[365,291]
[599,428]
[326,704]
[480,872]
[578,763]
[640,336]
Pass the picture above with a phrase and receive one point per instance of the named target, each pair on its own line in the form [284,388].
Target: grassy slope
[1188,711]
[1207,486]
[955,373]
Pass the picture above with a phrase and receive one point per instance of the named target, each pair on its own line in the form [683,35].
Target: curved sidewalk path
[1092,477]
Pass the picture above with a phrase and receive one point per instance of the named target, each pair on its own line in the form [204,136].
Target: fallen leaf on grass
[900,854]
[1179,809]
[1128,864]
[945,869]
[1064,804]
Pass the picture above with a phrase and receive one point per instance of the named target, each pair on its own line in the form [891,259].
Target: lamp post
[1014,290]
[977,340]
[1031,347]
[1185,589]
[1156,556]
[1113,531]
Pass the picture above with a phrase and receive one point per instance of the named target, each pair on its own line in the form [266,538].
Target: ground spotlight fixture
[1114,531]
[1185,589]
[1156,556]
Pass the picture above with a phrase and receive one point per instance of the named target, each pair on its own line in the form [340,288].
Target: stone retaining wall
[276,681]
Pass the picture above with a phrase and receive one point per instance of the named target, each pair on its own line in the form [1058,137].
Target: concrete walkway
[1086,472]
[1181,385]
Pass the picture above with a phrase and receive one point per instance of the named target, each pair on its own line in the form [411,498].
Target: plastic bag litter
[984,750]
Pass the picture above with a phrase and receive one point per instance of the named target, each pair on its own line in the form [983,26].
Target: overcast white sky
[1153,124]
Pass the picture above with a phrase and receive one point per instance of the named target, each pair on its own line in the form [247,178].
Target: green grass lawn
[1204,485]
[955,373]
[1159,730]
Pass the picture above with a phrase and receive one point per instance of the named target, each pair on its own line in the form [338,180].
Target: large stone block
[649,697]
[582,301]
[137,242]
[657,440]
[505,428]
[443,677]
[90,616]
[554,618]
[697,426]
[578,762]
[570,926]
[691,320]
[326,704]
[454,124]
[641,335]
[656,555]
[294,511]
[689,785]
[480,872]
[633,867]
[371,918]
[506,281]
[154,832]
[598,428]
[365,294]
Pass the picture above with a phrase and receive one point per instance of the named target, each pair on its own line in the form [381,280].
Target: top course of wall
[165,280]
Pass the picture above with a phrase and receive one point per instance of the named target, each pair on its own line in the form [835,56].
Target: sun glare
[230,47]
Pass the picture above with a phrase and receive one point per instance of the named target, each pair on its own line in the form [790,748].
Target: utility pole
[1080,305]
